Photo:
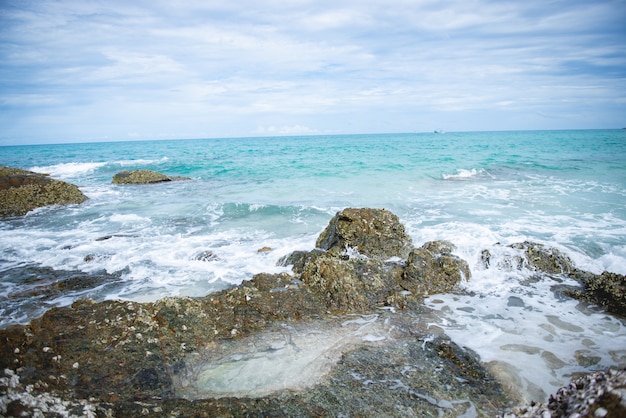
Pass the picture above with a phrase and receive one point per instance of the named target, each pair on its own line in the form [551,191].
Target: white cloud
[234,68]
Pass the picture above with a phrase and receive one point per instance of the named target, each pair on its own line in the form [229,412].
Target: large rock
[372,232]
[360,263]
[22,191]
[142,177]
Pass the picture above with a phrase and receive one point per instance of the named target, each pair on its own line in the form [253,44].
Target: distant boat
[438,131]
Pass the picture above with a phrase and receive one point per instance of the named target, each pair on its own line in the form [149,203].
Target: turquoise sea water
[565,189]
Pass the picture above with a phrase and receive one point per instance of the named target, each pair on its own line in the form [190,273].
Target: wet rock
[372,232]
[206,256]
[599,394]
[607,290]
[546,259]
[298,259]
[142,177]
[22,191]
[353,284]
[433,269]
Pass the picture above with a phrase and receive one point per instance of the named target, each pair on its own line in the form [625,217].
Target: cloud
[73,69]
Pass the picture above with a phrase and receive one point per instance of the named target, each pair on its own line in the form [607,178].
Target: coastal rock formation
[22,191]
[343,306]
[359,263]
[142,177]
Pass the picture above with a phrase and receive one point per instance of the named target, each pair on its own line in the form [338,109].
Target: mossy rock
[373,232]
[22,191]
[139,177]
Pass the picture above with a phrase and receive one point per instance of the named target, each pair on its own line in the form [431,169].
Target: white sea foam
[130,218]
[68,170]
[520,327]
[464,174]
[139,161]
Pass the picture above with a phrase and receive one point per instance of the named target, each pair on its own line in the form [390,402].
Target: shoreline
[115,357]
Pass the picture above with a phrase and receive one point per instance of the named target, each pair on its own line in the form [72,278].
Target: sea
[251,201]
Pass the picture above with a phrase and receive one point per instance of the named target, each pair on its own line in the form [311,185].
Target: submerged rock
[142,177]
[22,191]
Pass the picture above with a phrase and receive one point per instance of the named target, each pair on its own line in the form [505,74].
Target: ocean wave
[76,169]
[464,174]
[68,170]
[141,161]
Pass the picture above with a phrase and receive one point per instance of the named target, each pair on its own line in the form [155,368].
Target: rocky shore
[345,335]
[22,191]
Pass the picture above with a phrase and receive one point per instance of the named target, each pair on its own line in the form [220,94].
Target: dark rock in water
[22,191]
[599,394]
[143,177]
[206,256]
[433,269]
[373,232]
[607,290]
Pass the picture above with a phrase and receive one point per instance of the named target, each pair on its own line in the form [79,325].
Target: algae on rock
[22,191]
[142,177]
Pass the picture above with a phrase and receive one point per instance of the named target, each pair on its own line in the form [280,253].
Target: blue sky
[81,70]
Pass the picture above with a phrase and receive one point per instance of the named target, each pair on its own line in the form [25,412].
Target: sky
[110,70]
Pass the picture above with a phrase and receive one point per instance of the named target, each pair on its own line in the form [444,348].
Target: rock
[206,256]
[373,232]
[546,259]
[143,177]
[599,394]
[607,290]
[352,284]
[298,259]
[433,269]
[123,359]
[22,191]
